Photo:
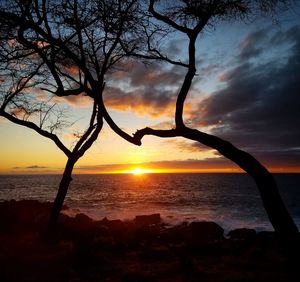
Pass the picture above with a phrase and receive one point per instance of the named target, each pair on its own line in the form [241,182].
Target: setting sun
[139,171]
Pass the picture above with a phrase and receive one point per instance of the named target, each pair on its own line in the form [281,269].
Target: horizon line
[148,172]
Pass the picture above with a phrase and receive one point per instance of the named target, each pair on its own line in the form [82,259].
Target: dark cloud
[175,47]
[153,103]
[190,147]
[152,89]
[282,37]
[279,158]
[253,44]
[259,107]
[36,167]
[30,167]
[190,164]
[154,76]
[76,101]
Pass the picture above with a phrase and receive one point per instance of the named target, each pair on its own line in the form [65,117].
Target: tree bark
[279,216]
[62,191]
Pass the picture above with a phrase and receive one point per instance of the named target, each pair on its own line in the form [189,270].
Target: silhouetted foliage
[73,45]
[61,48]
[190,18]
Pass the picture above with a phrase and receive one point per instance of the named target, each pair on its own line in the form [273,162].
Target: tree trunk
[62,191]
[278,215]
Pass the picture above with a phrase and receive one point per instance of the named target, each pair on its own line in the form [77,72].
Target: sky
[246,91]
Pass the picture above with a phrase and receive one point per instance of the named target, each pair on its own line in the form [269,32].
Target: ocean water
[231,200]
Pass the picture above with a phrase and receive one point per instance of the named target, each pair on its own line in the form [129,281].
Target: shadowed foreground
[145,249]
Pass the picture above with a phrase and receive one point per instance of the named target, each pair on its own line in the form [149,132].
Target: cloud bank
[258,108]
[30,167]
[145,90]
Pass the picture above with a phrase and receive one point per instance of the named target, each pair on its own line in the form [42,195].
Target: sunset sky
[246,91]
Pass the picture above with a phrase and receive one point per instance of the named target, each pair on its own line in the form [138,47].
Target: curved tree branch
[166,19]
[278,215]
[40,131]
[139,134]
[117,129]
[280,218]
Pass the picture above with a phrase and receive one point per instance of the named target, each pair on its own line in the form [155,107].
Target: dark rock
[136,276]
[83,221]
[154,252]
[114,224]
[195,233]
[82,218]
[175,234]
[104,221]
[81,225]
[24,214]
[8,215]
[205,231]
[242,234]
[148,219]
[266,238]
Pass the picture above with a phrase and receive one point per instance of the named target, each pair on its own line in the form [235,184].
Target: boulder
[151,219]
[205,231]
[242,234]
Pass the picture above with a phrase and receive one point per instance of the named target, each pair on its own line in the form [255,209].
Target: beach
[142,249]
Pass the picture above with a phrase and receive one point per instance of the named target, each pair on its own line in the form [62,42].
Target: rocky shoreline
[144,249]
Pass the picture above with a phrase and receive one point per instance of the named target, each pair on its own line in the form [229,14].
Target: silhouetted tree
[60,48]
[74,44]
[190,17]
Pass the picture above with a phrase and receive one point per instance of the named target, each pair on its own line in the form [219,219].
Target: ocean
[231,200]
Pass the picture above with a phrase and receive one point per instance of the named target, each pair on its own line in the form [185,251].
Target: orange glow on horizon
[140,171]
[137,171]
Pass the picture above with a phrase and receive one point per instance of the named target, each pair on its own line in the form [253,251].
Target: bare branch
[117,129]
[40,131]
[139,134]
[21,85]
[165,19]
[90,129]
